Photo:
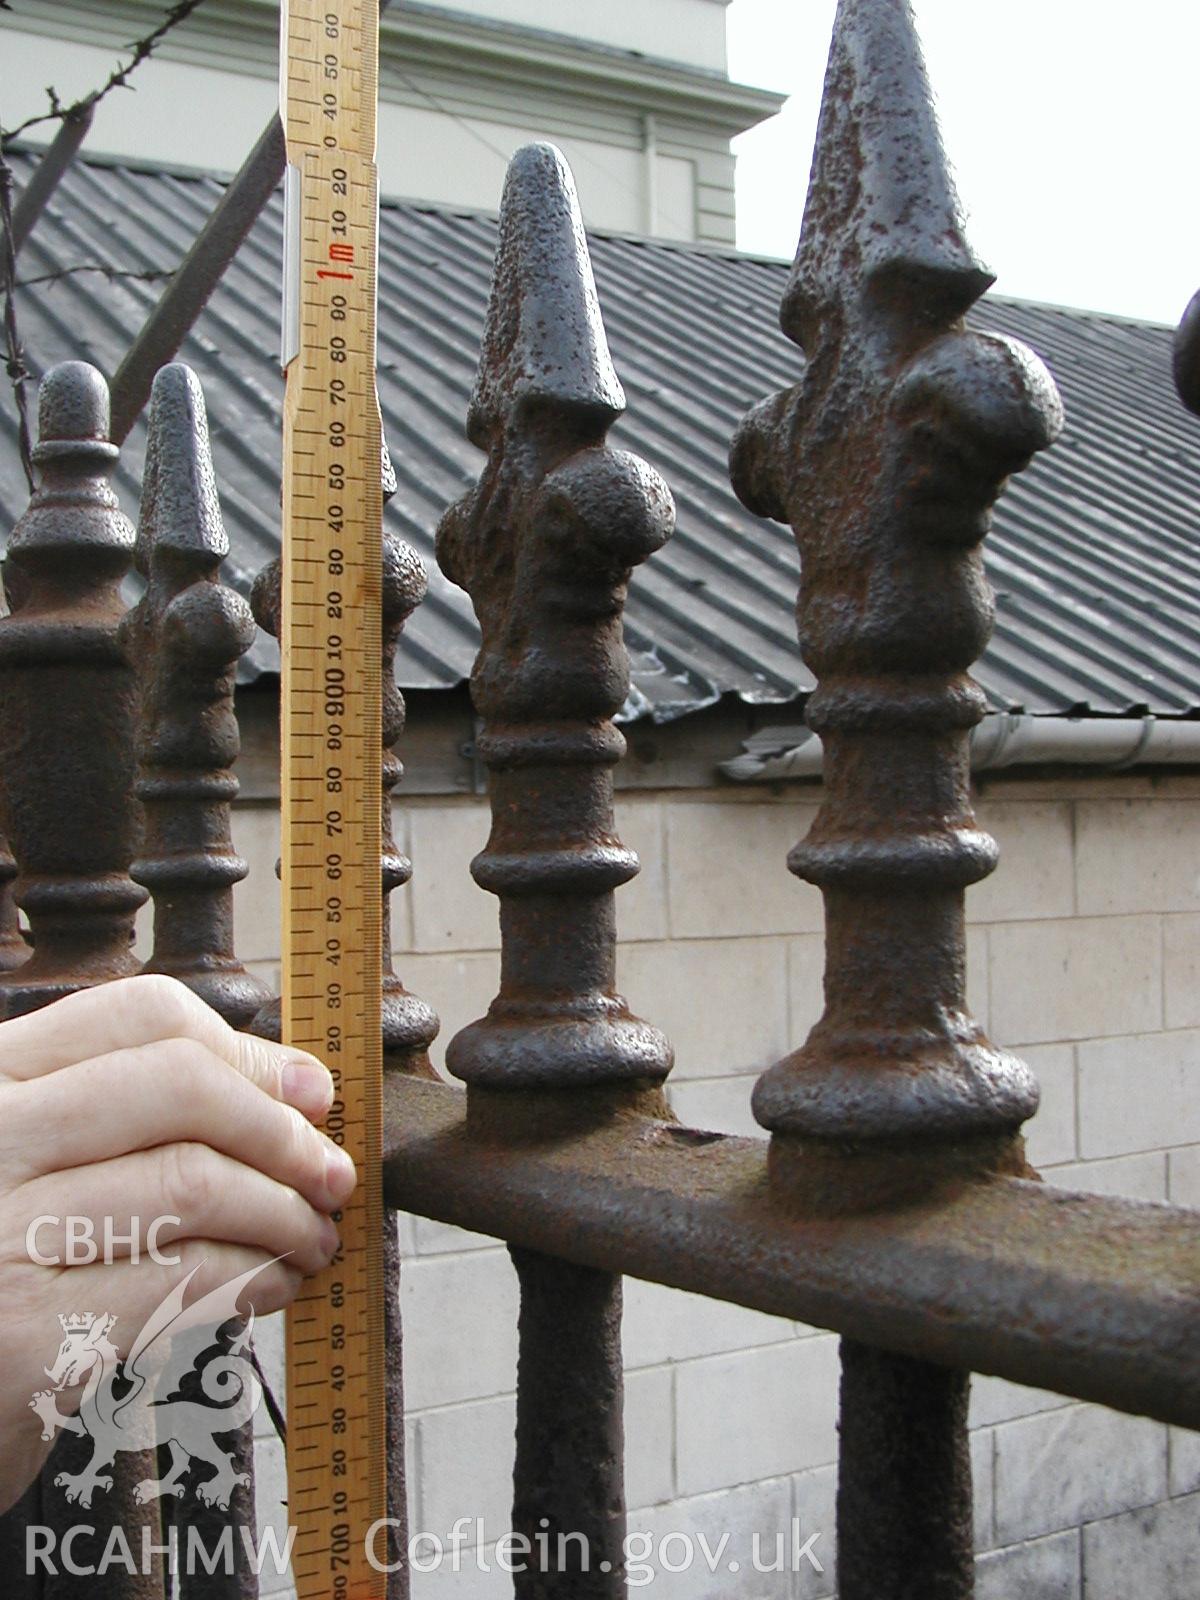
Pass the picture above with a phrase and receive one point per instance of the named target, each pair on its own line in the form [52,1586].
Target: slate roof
[1095,554]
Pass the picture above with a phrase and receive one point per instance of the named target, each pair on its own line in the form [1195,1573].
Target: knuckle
[171,1004]
[180,1054]
[189,1180]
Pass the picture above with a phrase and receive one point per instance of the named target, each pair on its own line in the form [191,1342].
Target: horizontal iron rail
[1082,1294]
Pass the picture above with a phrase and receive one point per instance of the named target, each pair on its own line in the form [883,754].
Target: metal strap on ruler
[332,520]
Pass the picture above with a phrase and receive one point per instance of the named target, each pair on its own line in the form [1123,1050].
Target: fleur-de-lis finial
[886,457]
[544,545]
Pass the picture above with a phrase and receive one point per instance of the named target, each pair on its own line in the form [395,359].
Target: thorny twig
[140,49]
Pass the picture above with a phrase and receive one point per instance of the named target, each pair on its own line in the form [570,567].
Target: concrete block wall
[1083,952]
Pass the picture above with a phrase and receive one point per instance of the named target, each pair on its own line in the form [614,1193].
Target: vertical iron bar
[904,1507]
[886,457]
[544,545]
[568,1476]
[67,706]
[185,637]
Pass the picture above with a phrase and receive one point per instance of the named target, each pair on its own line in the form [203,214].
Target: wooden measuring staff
[331,738]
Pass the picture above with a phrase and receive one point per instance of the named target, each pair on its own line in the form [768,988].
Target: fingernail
[329,1238]
[306,1085]
[340,1176]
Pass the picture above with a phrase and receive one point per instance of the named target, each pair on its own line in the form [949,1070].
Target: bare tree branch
[140,49]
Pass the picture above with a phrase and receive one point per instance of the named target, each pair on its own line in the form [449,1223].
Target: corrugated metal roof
[1095,555]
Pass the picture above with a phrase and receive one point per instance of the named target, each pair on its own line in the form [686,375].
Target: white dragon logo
[120,1409]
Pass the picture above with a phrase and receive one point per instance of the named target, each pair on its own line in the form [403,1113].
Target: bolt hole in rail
[331,782]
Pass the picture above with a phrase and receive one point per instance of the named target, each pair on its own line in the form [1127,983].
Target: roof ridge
[689,247]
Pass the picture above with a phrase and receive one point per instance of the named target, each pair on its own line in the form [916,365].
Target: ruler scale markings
[331,748]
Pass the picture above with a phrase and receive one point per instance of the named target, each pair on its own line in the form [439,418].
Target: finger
[74,1218]
[172,1092]
[146,1010]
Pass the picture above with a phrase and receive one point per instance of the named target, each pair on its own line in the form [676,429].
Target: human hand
[133,1101]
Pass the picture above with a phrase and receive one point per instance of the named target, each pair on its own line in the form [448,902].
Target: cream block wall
[1084,951]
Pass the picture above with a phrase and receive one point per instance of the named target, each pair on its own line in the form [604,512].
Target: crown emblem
[78,1322]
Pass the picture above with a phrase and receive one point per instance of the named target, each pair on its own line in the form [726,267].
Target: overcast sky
[1071,124]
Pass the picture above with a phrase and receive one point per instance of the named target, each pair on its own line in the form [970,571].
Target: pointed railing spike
[886,458]
[544,337]
[544,546]
[883,228]
[185,638]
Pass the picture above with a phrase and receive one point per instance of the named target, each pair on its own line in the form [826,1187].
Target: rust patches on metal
[184,638]
[67,713]
[544,545]
[886,457]
[568,1500]
[14,952]
[67,706]
[904,1515]
[1084,1294]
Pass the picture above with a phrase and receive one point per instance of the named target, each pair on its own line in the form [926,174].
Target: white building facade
[635,93]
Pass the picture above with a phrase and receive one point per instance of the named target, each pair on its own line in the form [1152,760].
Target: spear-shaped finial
[882,225]
[544,338]
[544,545]
[185,637]
[886,458]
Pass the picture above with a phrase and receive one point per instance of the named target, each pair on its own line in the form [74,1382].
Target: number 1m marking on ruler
[331,744]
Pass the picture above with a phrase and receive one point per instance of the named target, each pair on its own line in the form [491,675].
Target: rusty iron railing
[891,1202]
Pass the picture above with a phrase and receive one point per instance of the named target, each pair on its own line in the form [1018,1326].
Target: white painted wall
[690,31]
[194,116]
[1084,952]
[179,113]
[443,138]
